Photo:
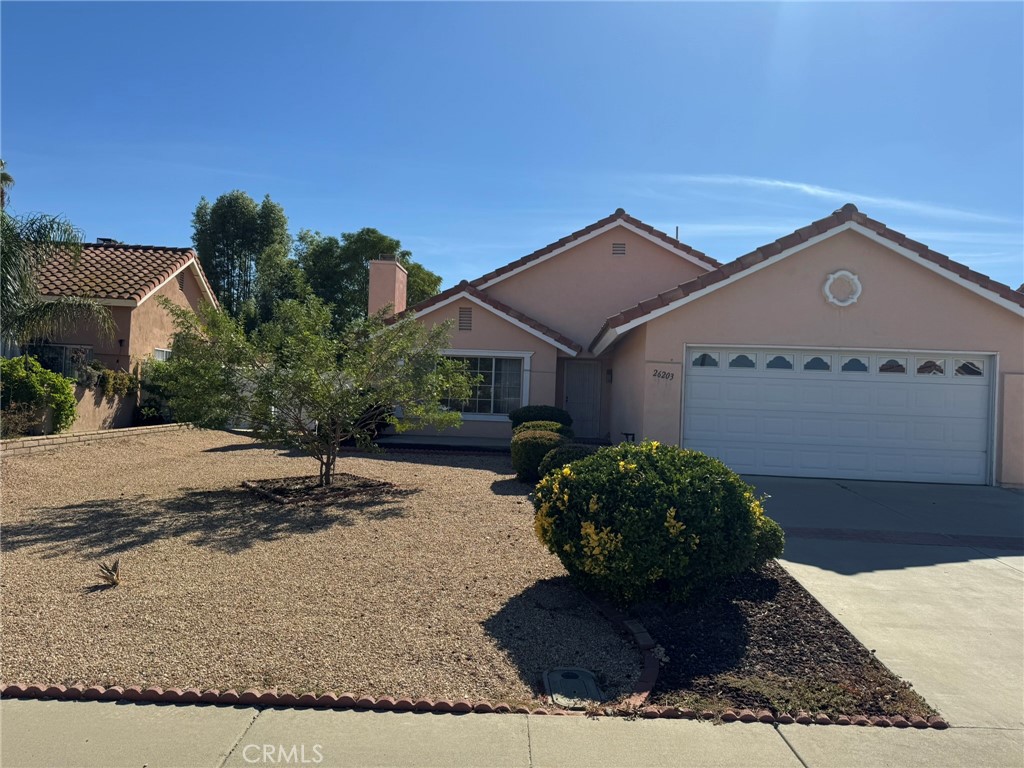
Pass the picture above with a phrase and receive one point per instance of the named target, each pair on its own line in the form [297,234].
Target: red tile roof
[469,289]
[619,215]
[113,271]
[845,214]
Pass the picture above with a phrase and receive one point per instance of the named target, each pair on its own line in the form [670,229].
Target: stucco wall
[152,326]
[105,348]
[903,306]
[576,291]
[492,334]
[627,387]
[96,412]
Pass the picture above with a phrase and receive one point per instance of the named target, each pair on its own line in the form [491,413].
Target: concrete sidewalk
[47,734]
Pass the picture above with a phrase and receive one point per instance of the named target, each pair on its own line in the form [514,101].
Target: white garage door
[912,416]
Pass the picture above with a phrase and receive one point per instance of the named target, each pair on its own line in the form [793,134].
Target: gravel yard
[435,587]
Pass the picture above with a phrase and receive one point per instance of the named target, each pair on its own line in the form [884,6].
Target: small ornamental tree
[298,382]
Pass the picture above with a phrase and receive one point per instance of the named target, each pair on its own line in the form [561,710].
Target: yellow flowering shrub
[640,521]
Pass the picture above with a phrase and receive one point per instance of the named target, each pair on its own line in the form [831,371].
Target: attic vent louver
[618,249]
[465,318]
[181,281]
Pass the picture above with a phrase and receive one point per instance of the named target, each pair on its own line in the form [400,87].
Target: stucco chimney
[388,283]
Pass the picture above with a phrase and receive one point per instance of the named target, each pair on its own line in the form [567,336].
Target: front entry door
[583,396]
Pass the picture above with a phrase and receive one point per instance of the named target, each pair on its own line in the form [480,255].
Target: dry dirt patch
[434,588]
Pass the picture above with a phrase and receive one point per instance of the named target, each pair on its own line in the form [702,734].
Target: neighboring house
[842,350]
[128,279]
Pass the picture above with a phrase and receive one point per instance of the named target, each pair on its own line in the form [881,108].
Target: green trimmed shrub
[565,454]
[635,522]
[545,426]
[539,413]
[25,384]
[529,449]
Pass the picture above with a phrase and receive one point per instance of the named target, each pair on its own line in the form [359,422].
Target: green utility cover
[572,687]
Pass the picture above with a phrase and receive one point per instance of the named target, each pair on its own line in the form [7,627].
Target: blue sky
[477,133]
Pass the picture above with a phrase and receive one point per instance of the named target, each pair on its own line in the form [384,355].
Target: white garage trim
[932,427]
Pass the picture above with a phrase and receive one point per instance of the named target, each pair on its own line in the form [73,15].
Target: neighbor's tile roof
[476,293]
[619,215]
[845,214]
[111,271]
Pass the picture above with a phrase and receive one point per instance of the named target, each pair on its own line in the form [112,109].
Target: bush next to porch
[544,426]
[528,450]
[649,521]
[539,413]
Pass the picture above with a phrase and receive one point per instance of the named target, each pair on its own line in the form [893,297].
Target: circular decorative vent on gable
[842,288]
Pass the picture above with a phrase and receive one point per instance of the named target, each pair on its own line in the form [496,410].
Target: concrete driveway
[930,577]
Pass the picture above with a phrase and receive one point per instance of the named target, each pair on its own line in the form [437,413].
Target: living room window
[500,389]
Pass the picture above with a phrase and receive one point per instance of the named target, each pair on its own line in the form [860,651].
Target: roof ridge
[846,214]
[619,215]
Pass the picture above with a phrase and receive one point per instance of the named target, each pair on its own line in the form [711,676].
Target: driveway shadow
[229,520]
[552,624]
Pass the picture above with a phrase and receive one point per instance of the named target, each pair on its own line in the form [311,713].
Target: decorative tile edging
[272,698]
[28,445]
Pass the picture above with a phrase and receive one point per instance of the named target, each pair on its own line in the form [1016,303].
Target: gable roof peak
[847,217]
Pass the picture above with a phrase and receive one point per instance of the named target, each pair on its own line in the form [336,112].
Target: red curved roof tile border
[471,290]
[619,215]
[274,698]
[115,271]
[837,218]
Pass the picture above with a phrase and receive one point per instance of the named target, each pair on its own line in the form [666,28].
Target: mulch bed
[764,643]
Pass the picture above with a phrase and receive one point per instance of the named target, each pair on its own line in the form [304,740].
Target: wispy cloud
[827,193]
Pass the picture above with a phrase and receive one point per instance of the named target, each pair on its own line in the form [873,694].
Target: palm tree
[6,182]
[26,244]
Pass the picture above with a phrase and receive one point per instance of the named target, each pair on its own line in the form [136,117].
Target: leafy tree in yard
[338,269]
[26,244]
[299,382]
[244,248]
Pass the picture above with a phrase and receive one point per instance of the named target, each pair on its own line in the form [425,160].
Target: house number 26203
[667,375]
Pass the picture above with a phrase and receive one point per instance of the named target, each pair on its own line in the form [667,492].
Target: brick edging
[643,640]
[28,445]
[273,698]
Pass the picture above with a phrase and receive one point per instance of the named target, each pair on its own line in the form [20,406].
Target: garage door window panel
[927,366]
[969,368]
[743,360]
[780,363]
[892,365]
[818,363]
[705,360]
[854,365]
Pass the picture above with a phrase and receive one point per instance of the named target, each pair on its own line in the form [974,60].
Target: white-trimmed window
[161,354]
[65,359]
[500,388]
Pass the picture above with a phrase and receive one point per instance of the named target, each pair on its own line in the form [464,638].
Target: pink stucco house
[844,349]
[127,279]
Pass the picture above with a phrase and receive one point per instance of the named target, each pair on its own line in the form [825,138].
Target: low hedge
[529,449]
[565,454]
[647,521]
[539,413]
[545,426]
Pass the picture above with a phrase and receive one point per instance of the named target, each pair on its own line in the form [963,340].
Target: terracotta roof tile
[111,271]
[619,215]
[847,213]
[466,287]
